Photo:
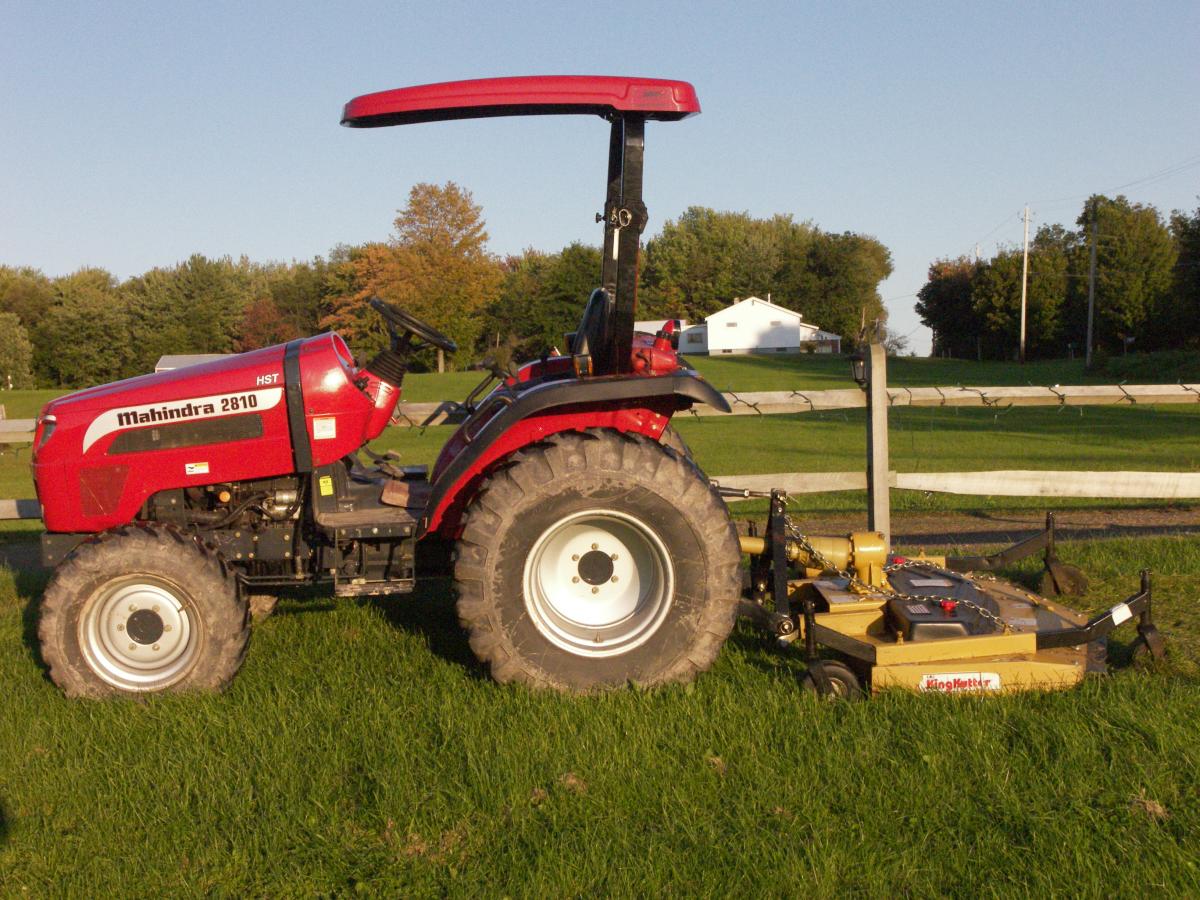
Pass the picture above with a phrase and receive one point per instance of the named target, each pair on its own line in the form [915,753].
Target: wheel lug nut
[614,578]
[574,557]
[133,646]
[132,608]
[575,579]
[166,628]
[595,546]
[614,557]
[154,609]
[120,628]
[595,590]
[155,647]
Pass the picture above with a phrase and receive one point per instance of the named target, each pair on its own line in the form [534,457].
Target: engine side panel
[113,447]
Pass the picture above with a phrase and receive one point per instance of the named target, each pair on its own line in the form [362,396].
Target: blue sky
[135,134]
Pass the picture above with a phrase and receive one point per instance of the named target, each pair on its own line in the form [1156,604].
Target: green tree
[16,353]
[195,307]
[25,292]
[83,339]
[1135,268]
[996,297]
[541,299]
[1182,320]
[844,275]
[945,306]
[707,259]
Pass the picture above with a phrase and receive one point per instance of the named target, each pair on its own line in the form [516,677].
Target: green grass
[818,372]
[362,750]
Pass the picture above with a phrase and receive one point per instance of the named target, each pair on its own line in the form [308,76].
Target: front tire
[596,560]
[142,610]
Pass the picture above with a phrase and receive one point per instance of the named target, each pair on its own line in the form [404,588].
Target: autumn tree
[436,266]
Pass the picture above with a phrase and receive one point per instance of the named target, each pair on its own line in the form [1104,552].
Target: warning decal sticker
[189,410]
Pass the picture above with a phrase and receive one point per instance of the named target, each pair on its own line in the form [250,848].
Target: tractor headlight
[45,428]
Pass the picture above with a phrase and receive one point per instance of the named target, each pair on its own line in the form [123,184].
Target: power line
[1160,175]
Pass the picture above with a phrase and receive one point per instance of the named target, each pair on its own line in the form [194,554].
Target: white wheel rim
[598,583]
[137,635]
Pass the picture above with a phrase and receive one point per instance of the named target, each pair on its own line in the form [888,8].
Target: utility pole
[1091,294]
[1024,281]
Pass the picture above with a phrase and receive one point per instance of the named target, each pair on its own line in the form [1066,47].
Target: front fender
[506,422]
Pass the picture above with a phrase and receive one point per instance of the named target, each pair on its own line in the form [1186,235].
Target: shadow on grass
[30,579]
[3,826]
[429,612]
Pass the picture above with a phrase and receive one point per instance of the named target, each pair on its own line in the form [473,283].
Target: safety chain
[805,545]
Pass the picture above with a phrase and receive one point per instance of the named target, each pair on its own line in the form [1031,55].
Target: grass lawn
[362,750]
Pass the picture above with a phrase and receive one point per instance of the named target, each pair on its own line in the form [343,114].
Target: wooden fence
[1013,483]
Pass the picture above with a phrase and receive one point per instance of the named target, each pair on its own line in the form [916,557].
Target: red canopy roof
[655,98]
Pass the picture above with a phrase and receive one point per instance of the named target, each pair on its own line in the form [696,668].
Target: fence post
[879,516]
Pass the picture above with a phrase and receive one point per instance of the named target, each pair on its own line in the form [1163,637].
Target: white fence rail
[1002,483]
[1011,483]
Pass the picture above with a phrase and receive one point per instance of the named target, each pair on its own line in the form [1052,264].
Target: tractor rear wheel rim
[137,634]
[598,583]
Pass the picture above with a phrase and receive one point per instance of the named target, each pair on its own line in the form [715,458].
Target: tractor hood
[100,453]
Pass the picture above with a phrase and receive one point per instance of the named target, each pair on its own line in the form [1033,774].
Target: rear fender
[505,423]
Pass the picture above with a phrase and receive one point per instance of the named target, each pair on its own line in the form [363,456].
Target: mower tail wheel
[139,610]
[843,683]
[595,560]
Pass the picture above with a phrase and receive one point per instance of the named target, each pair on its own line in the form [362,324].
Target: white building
[755,325]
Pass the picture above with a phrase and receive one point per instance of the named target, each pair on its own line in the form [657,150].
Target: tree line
[89,327]
[1147,288]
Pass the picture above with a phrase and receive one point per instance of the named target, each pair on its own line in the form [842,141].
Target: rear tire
[673,439]
[596,560]
[261,606]
[142,610]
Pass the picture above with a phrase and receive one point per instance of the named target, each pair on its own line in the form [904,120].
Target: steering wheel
[398,319]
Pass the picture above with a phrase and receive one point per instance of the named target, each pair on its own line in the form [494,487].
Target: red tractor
[588,550]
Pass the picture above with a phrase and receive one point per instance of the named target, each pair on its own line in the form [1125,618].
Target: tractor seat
[592,335]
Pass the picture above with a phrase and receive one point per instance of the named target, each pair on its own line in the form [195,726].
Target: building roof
[783,310]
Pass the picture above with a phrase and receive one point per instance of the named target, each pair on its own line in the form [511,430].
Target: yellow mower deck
[857,626]
[926,624]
